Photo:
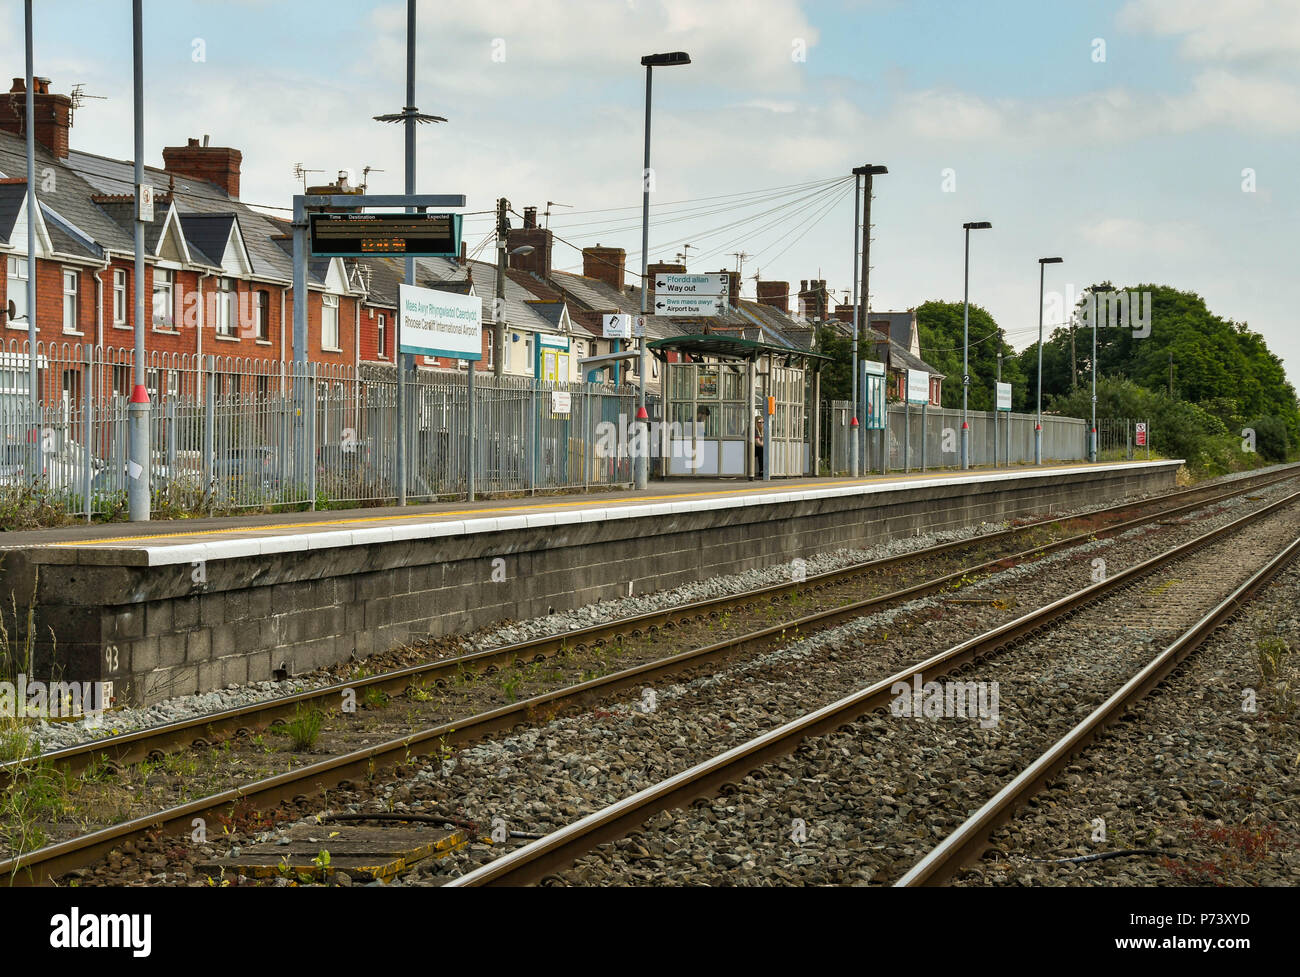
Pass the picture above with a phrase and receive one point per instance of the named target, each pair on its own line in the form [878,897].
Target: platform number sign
[1140,438]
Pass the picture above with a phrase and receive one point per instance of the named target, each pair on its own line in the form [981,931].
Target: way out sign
[1140,435]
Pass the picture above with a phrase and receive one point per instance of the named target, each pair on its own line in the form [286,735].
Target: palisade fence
[229,432]
[935,439]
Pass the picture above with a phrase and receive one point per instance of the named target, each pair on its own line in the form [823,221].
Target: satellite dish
[13,310]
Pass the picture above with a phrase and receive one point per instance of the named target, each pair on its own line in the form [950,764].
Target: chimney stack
[52,115]
[216,164]
[775,294]
[605,264]
[538,262]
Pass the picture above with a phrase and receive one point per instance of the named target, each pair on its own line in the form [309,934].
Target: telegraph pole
[498,313]
[862,301]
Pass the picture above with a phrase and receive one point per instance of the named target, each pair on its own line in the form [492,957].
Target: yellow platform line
[314,525]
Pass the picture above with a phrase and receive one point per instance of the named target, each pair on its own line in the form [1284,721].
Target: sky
[1140,140]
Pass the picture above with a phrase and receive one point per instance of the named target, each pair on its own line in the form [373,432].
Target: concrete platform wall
[174,620]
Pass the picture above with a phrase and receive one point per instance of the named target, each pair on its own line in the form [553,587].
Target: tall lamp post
[860,306]
[641,463]
[1038,425]
[965,344]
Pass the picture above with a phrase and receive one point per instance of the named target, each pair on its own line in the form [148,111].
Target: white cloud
[1123,234]
[1215,30]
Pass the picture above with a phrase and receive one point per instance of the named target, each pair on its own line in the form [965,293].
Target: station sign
[359,235]
[918,387]
[695,305]
[436,323]
[714,285]
[622,326]
[1004,396]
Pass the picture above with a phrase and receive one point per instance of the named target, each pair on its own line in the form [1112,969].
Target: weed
[304,729]
[375,698]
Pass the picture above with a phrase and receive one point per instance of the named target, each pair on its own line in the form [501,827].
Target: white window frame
[16,275]
[164,283]
[382,335]
[227,309]
[72,301]
[119,298]
[329,309]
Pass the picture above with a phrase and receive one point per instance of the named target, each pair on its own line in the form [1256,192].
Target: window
[491,349]
[528,353]
[329,322]
[383,336]
[164,281]
[263,309]
[119,297]
[71,308]
[121,381]
[227,307]
[17,275]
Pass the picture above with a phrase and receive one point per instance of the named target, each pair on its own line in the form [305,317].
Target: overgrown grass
[304,729]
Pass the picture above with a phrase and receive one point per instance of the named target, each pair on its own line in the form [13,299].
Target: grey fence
[933,438]
[240,433]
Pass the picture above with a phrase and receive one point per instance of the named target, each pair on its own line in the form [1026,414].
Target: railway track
[152,743]
[359,765]
[542,858]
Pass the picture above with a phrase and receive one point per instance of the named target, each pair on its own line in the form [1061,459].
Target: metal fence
[932,439]
[230,432]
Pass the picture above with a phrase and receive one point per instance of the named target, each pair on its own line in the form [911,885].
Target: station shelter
[723,395]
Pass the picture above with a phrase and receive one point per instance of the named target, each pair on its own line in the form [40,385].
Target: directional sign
[714,284]
[1004,396]
[704,305]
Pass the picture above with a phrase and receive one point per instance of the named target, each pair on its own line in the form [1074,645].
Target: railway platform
[168,608]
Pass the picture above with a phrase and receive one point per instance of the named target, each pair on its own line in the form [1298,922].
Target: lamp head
[666,60]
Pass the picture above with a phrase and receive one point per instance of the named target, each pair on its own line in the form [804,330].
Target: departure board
[358,235]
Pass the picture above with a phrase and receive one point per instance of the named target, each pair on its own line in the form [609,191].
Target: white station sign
[918,387]
[438,323]
[1004,396]
[711,285]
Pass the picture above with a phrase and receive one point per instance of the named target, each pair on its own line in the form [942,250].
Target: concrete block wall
[163,630]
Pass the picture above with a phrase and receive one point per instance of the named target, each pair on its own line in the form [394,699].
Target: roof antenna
[549,204]
[300,172]
[78,96]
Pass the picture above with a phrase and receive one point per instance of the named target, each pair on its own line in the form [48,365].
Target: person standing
[758,445]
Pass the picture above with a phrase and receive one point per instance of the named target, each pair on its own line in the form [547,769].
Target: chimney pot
[530,218]
[20,85]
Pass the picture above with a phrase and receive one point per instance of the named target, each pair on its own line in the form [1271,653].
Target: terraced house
[218,272]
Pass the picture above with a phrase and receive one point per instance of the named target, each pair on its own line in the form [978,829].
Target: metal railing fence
[233,432]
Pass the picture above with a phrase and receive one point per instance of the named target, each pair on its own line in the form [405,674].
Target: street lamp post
[1038,424]
[860,307]
[965,344]
[641,462]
